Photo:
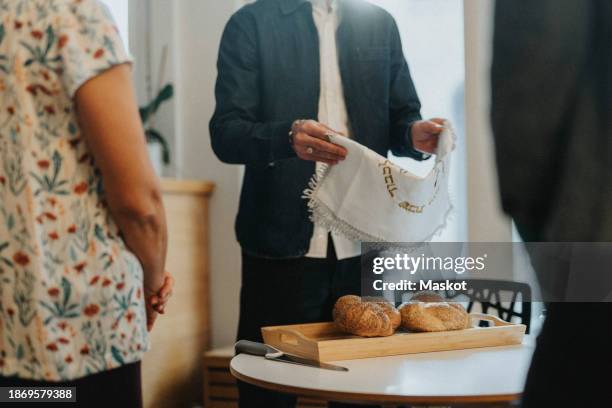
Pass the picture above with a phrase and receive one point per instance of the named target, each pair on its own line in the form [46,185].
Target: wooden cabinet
[172,369]
[219,385]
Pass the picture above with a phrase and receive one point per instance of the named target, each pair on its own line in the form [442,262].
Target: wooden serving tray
[324,342]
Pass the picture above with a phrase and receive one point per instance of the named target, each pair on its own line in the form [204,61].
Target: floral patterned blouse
[71,297]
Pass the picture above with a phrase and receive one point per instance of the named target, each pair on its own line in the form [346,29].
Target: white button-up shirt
[332,112]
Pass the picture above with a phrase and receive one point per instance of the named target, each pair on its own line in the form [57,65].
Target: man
[291,72]
[552,110]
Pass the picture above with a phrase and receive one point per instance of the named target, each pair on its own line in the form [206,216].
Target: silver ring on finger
[310,150]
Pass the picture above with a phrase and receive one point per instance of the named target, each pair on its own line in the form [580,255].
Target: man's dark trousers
[291,291]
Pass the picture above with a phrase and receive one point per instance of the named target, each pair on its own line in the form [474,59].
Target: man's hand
[425,134]
[310,142]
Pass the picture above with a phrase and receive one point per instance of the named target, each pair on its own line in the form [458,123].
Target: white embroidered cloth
[368,198]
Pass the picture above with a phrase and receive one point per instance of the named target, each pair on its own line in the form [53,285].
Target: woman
[82,227]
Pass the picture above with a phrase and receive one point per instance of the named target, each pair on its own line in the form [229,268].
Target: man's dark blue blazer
[269,76]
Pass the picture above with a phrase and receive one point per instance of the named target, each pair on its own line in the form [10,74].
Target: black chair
[499,295]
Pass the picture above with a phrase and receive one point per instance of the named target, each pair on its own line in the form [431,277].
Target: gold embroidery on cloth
[392,187]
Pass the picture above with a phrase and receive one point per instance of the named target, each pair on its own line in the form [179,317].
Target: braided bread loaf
[429,312]
[367,319]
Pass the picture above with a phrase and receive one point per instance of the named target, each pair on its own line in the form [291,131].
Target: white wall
[119,10]
[191,30]
[437,65]
[486,222]
[198,33]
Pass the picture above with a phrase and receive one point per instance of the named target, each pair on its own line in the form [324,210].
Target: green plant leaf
[165,94]
[153,136]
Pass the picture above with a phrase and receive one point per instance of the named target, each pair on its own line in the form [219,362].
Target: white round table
[484,375]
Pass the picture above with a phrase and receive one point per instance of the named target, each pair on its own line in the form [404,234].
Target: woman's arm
[109,119]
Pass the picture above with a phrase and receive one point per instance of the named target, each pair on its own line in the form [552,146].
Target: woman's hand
[156,300]
[160,299]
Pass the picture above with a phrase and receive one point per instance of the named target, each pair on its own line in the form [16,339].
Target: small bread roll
[367,319]
[434,316]
[344,302]
[427,297]
[392,313]
[340,308]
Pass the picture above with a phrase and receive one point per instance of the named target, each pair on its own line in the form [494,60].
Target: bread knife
[271,353]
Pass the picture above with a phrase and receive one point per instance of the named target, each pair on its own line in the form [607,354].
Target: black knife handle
[253,348]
